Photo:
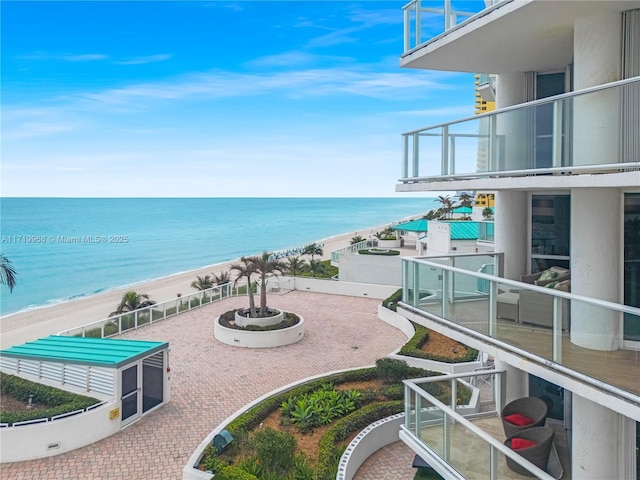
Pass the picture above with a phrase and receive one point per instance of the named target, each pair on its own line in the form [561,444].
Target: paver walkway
[210,381]
[389,463]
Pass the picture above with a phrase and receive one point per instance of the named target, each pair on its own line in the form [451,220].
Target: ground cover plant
[46,401]
[301,434]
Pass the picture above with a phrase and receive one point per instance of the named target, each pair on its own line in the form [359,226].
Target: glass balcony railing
[581,335]
[459,444]
[596,129]
[419,18]
[486,232]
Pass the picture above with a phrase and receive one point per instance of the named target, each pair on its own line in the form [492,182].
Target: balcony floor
[620,368]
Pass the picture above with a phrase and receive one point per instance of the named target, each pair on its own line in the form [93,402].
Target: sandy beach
[36,323]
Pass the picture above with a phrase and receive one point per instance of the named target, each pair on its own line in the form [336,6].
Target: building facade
[562,154]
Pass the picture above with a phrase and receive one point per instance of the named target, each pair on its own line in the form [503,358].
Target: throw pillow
[548,275]
[520,443]
[518,419]
[551,284]
[564,286]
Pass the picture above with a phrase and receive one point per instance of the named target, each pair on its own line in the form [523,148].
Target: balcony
[452,295]
[583,132]
[471,445]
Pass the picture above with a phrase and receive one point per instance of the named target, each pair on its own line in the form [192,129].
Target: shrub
[413,348]
[274,450]
[391,370]
[57,401]
[392,300]
[377,251]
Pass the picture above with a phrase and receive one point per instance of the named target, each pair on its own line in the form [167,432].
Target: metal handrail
[412,385]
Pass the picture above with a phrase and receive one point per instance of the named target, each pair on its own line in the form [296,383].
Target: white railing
[416,17]
[437,429]
[335,255]
[54,418]
[447,288]
[537,137]
[116,325]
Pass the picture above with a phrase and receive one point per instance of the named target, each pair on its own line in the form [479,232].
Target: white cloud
[148,59]
[82,57]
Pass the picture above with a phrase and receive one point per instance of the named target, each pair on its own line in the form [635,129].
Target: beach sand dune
[40,322]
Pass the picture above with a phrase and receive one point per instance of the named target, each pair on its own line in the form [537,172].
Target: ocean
[65,248]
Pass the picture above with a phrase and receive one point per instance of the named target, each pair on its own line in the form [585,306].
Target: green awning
[420,225]
[87,351]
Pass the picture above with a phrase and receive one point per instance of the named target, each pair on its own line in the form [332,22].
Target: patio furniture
[508,305]
[537,309]
[552,274]
[534,444]
[522,414]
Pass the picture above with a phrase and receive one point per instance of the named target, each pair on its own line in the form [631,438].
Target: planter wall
[243,321]
[252,339]
[389,243]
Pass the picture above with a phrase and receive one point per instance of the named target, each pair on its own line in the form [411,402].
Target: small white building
[131,377]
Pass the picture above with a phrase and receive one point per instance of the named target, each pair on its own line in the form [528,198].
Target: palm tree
[316,267]
[222,278]
[7,273]
[202,283]
[131,301]
[295,265]
[356,239]
[487,212]
[466,200]
[447,204]
[265,268]
[312,250]
[246,269]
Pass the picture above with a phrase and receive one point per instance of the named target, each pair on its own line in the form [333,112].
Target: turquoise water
[64,248]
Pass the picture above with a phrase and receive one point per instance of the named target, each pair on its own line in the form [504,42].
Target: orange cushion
[518,419]
[519,443]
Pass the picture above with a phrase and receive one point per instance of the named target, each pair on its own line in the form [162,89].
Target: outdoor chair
[522,414]
[534,444]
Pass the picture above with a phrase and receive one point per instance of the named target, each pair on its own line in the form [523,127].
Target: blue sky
[223,99]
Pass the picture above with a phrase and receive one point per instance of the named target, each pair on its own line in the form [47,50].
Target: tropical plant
[265,267]
[222,278]
[312,250]
[316,267]
[295,265]
[7,273]
[356,239]
[466,200]
[246,269]
[202,283]
[447,205]
[487,212]
[131,301]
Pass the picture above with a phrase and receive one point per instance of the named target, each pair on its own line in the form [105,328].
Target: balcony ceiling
[519,36]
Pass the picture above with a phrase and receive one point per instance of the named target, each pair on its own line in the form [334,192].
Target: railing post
[447,15]
[418,22]
[493,309]
[135,319]
[446,307]
[557,329]
[405,156]
[556,140]
[444,161]
[120,325]
[416,155]
[407,29]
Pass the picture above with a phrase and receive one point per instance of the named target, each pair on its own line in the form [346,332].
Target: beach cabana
[413,229]
[132,373]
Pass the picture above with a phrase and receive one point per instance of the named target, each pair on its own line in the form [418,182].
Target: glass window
[550,231]
[632,262]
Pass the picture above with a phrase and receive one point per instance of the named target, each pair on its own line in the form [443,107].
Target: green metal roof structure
[420,225]
[106,352]
[464,230]
[463,210]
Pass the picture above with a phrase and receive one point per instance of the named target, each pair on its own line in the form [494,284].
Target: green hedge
[329,446]
[57,401]
[384,253]
[413,348]
[392,300]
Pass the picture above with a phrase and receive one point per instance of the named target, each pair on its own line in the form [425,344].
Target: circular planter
[242,318]
[257,339]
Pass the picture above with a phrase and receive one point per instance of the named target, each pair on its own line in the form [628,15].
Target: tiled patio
[210,381]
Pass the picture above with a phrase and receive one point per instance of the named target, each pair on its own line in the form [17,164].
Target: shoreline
[41,321]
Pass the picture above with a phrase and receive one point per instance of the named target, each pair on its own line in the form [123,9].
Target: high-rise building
[558,313]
